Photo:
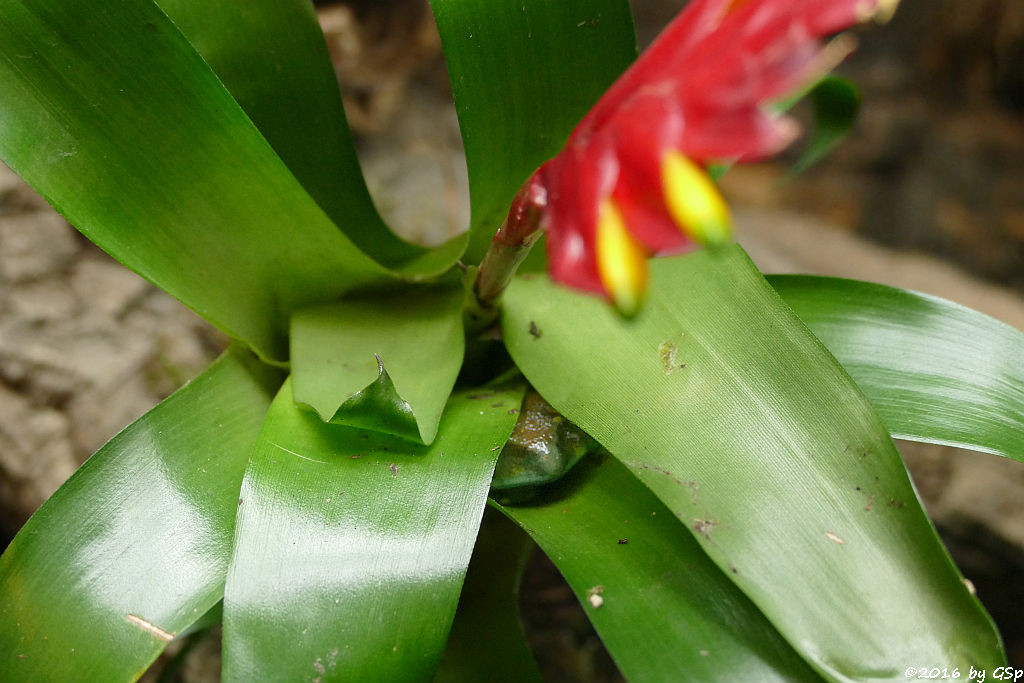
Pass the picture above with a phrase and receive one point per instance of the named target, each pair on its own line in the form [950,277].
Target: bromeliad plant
[747,516]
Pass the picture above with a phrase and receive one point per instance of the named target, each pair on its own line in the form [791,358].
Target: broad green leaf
[111,115]
[386,362]
[662,608]
[523,73]
[272,57]
[487,641]
[934,370]
[134,547]
[836,103]
[721,401]
[351,545]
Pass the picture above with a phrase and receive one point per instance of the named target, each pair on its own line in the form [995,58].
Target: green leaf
[351,545]
[797,492]
[662,608]
[523,73]
[111,114]
[404,348]
[272,57]
[934,370]
[487,640]
[836,103]
[134,548]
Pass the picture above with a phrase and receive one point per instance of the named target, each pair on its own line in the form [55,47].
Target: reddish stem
[511,244]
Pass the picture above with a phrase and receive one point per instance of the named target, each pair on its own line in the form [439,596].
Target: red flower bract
[630,181]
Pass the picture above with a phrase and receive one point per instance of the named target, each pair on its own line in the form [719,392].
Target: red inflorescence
[630,181]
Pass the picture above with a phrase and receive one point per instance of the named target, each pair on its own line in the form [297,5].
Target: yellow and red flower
[631,180]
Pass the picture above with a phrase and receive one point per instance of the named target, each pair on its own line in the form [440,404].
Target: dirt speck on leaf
[149,627]
[661,470]
[594,596]
[535,331]
[668,353]
[692,485]
[835,539]
[704,527]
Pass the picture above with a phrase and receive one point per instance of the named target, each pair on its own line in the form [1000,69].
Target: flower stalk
[511,245]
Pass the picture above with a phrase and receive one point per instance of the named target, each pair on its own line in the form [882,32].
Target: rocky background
[927,193]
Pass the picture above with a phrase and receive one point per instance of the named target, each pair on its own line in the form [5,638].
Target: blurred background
[927,192]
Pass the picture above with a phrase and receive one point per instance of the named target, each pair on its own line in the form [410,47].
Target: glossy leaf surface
[934,370]
[351,545]
[797,493]
[134,547]
[112,116]
[386,362]
[523,73]
[662,608]
[487,642]
[272,57]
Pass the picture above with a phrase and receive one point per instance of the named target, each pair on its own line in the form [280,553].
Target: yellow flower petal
[621,260]
[693,200]
[879,10]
